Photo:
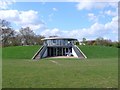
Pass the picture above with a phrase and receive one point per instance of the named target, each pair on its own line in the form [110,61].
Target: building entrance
[58,51]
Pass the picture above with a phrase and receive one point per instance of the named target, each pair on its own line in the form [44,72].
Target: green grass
[100,70]
[100,73]
[26,52]
[19,52]
[99,51]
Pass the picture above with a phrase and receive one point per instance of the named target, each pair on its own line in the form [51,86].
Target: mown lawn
[99,51]
[98,71]
[19,52]
[93,73]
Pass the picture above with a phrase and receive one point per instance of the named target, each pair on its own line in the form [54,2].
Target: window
[54,41]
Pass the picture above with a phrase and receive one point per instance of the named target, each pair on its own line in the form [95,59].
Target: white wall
[74,53]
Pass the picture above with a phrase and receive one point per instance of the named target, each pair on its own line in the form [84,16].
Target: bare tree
[15,40]
[27,36]
[5,32]
[38,39]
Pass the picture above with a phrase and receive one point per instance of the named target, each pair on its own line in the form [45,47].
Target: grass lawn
[19,52]
[99,51]
[98,71]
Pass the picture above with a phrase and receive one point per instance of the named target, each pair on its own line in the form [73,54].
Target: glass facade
[58,42]
[59,51]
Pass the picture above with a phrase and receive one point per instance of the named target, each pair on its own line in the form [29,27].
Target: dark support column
[53,51]
[47,51]
[65,51]
[62,51]
[56,51]
[50,51]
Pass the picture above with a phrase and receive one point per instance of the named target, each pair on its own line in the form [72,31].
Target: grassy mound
[19,52]
[100,70]
[99,51]
[26,52]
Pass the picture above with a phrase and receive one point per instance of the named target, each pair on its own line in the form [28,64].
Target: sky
[78,20]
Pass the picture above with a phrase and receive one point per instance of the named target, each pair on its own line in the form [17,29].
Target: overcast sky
[65,19]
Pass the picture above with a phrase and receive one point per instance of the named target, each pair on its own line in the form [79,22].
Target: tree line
[25,36]
[101,41]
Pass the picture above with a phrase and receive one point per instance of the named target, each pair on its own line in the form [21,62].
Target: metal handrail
[37,52]
[81,52]
[42,51]
[78,50]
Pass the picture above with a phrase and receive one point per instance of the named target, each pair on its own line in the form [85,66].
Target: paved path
[62,57]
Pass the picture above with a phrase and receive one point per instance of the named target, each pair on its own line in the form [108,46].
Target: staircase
[40,53]
[79,53]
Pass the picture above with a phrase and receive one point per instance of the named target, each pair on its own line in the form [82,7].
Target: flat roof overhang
[58,38]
